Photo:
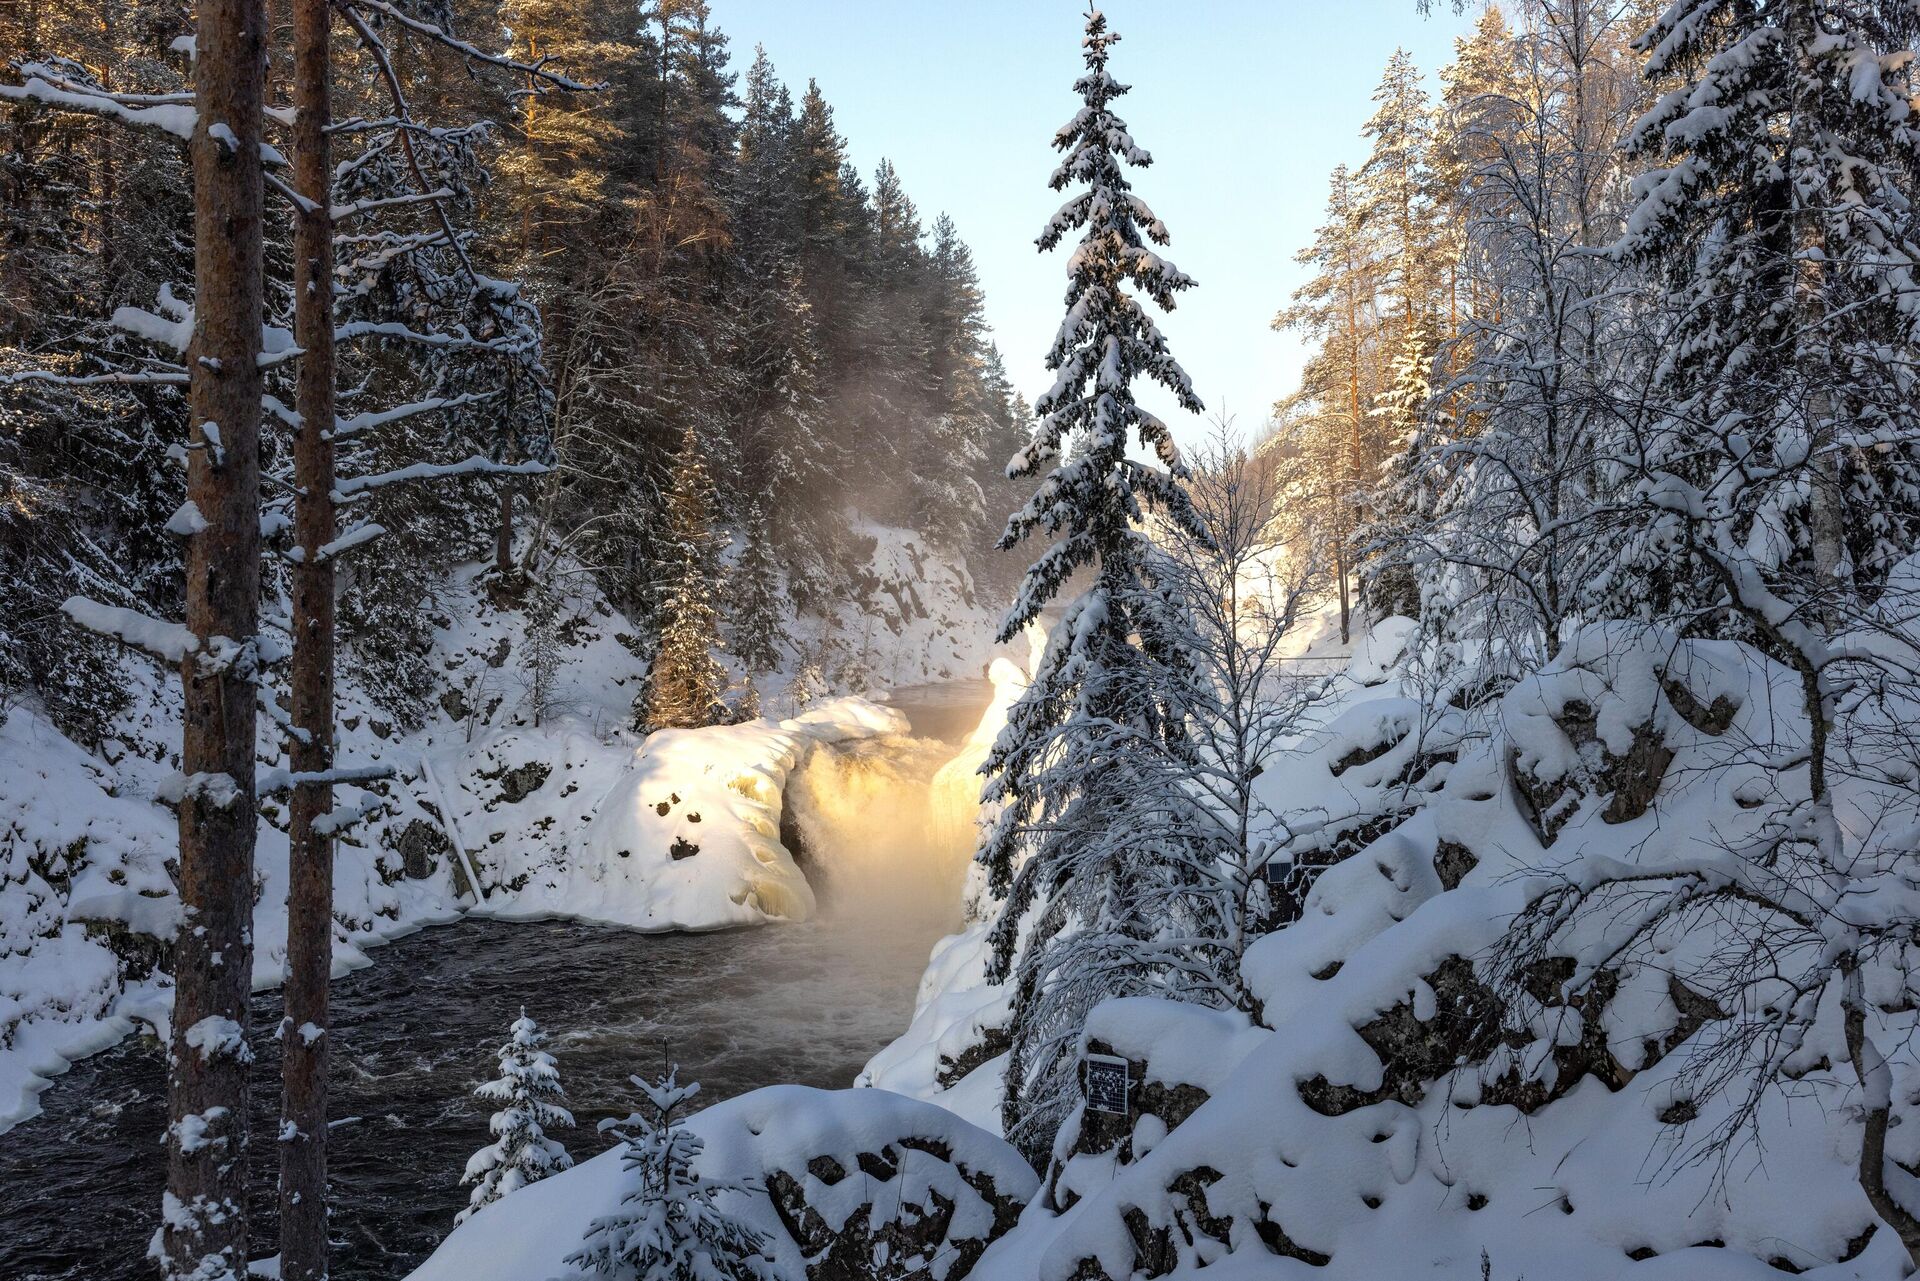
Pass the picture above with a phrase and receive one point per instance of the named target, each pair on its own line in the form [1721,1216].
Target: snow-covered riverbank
[480,791]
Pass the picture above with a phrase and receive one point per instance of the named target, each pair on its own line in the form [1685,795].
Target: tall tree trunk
[1354,447]
[503,532]
[204,1231]
[304,1031]
[1812,354]
[108,137]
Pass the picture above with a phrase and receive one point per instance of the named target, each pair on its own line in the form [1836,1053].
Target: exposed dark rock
[1466,1024]
[1696,1011]
[910,1233]
[1635,777]
[1589,1056]
[1451,863]
[140,954]
[1713,718]
[421,845]
[1679,1112]
[682,848]
[993,1042]
[1275,1238]
[1361,755]
[1172,1104]
[518,784]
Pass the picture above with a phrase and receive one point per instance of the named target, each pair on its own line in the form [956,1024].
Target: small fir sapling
[528,1088]
[671,1226]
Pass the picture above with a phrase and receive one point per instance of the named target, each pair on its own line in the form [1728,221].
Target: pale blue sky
[1246,106]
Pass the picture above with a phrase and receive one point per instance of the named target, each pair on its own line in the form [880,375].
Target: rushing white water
[876,844]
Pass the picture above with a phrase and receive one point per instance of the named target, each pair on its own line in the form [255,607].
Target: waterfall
[866,814]
[889,825]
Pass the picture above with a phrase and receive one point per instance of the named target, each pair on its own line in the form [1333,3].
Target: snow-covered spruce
[1064,771]
[685,682]
[521,1153]
[671,1226]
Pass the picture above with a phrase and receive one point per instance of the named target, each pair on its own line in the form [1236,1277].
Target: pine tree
[684,685]
[528,1087]
[675,1228]
[1060,770]
[1512,463]
[1338,308]
[1396,188]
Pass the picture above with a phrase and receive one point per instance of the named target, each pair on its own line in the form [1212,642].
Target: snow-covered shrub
[521,1153]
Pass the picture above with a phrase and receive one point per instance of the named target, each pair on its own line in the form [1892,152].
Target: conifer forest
[652,640]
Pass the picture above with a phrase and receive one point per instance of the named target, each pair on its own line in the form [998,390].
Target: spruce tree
[674,1228]
[528,1087]
[759,621]
[1776,217]
[684,685]
[1060,772]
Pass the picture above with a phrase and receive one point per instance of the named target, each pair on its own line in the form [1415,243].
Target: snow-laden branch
[123,378]
[477,465]
[171,642]
[536,72]
[343,427]
[281,780]
[43,82]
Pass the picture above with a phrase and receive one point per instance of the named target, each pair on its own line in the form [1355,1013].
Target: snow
[748,1139]
[87,837]
[1417,1178]
[169,641]
[217,1037]
[688,837]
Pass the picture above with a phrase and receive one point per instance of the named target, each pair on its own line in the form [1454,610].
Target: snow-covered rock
[846,1183]
[1401,1108]
[687,837]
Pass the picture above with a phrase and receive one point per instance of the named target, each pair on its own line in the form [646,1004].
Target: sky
[1246,106]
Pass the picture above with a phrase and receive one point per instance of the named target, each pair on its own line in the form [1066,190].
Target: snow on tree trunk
[204,1227]
[304,1030]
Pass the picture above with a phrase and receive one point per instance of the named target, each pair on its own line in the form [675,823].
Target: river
[417,1030]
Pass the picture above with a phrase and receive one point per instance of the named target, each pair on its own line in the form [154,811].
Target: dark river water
[418,1029]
